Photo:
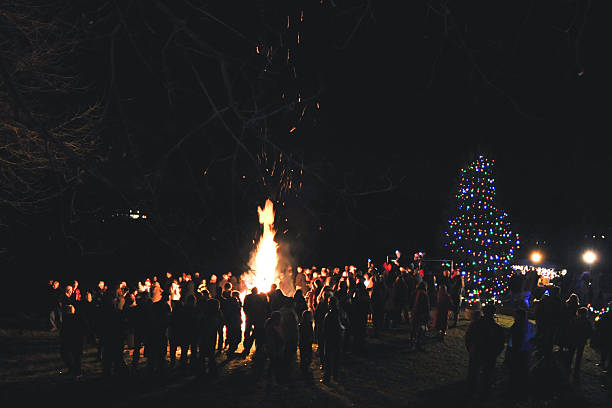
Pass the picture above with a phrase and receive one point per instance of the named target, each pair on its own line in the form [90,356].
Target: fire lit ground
[388,373]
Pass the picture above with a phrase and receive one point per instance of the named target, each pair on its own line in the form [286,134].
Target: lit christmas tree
[479,237]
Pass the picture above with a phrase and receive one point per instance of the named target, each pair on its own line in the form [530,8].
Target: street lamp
[536,257]
[589,257]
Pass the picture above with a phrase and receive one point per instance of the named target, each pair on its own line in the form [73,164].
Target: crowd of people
[330,307]
[554,343]
[201,317]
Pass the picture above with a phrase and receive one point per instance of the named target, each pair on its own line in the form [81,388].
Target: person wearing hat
[484,340]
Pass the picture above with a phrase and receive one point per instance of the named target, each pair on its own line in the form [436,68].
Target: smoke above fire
[264,259]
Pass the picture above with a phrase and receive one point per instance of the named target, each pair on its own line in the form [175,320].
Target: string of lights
[598,313]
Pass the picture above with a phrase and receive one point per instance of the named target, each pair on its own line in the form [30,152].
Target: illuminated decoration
[479,236]
[547,274]
[598,313]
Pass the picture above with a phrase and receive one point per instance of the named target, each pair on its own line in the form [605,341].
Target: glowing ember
[265,258]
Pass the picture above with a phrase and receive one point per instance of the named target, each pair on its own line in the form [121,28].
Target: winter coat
[289,327]
[333,330]
[275,343]
[580,330]
[484,339]
[444,304]
[72,331]
[420,308]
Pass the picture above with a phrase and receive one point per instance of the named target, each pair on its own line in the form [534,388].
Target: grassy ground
[388,374]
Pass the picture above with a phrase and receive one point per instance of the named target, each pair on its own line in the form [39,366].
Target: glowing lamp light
[589,257]
[536,257]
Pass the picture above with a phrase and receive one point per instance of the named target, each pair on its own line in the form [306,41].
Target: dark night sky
[409,97]
[397,96]
[543,123]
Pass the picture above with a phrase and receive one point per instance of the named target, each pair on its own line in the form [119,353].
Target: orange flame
[265,258]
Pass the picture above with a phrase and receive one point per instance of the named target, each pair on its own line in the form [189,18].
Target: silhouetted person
[72,332]
[360,309]
[530,283]
[256,310]
[158,318]
[99,292]
[276,298]
[166,282]
[76,296]
[378,299]
[344,309]
[519,353]
[209,323]
[113,331]
[568,315]
[88,312]
[176,329]
[548,312]
[233,318]
[484,340]
[411,284]
[289,330]
[396,300]
[213,287]
[455,288]
[189,331]
[603,331]
[515,284]
[333,334]
[224,302]
[580,331]
[67,297]
[443,306]
[306,340]
[420,313]
[319,318]
[187,288]
[137,323]
[299,302]
[275,346]
[53,303]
